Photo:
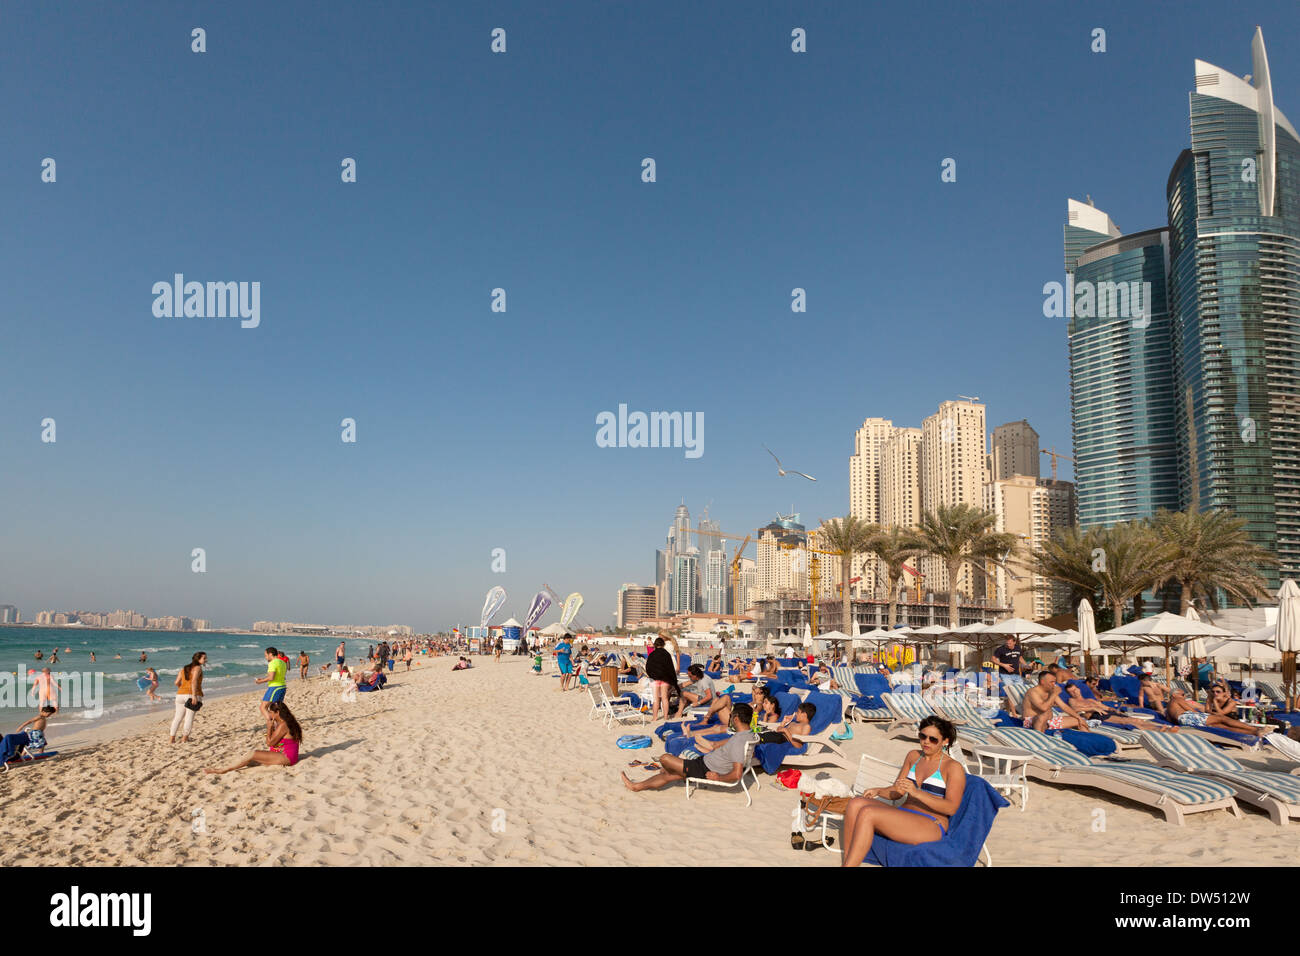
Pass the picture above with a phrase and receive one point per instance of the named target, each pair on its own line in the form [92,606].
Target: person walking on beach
[283,738]
[189,696]
[274,681]
[49,690]
[410,653]
[304,662]
[339,653]
[501,646]
[152,676]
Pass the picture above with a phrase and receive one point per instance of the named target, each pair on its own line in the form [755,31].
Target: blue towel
[1091,745]
[771,756]
[960,846]
[674,728]
[830,710]
[1125,687]
[11,743]
[716,675]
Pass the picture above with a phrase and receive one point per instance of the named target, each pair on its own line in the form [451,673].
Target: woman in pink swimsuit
[282,741]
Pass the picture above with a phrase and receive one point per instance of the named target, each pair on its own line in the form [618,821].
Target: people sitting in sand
[283,738]
[1038,714]
[931,785]
[723,763]
[461,665]
[1189,713]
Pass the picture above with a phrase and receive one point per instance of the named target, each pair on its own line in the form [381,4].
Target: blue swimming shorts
[274,694]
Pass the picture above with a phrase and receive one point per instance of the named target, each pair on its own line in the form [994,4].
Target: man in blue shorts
[276,667]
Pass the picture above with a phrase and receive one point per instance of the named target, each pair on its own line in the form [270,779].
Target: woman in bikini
[931,784]
[282,741]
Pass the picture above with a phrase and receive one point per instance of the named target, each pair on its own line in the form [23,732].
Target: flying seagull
[782,472]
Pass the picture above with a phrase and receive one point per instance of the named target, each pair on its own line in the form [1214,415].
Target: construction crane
[735,573]
[1054,454]
[920,580]
[814,575]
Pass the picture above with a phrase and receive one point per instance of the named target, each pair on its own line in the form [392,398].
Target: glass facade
[1121,387]
[1234,293]
[1200,408]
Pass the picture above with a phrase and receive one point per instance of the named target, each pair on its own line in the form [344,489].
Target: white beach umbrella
[1195,648]
[1088,642]
[1288,635]
[1167,630]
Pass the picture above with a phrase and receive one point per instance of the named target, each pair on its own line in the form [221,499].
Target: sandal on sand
[797,840]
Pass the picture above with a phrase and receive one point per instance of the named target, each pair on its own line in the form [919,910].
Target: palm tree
[1068,558]
[960,534]
[893,547]
[847,537]
[1208,551]
[1129,562]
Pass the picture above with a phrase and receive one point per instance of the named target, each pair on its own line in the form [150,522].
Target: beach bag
[845,734]
[828,795]
[789,779]
[633,742]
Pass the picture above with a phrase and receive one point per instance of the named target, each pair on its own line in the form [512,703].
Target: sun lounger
[1175,794]
[611,709]
[747,767]
[1286,747]
[1276,793]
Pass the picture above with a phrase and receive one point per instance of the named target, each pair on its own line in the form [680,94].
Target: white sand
[492,765]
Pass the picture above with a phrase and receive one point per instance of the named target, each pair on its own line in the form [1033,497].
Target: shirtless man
[798,724]
[1191,714]
[1150,694]
[1038,705]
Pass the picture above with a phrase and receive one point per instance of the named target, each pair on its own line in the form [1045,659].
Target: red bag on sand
[789,779]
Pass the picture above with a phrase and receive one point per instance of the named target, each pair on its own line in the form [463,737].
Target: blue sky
[476,430]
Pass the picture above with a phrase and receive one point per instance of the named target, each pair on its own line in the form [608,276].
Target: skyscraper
[1015,450]
[952,472]
[1121,377]
[1225,376]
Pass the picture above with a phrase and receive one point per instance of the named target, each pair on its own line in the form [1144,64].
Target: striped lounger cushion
[873,713]
[1047,749]
[908,706]
[1198,755]
[1185,788]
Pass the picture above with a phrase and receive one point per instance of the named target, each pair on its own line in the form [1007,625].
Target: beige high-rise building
[864,468]
[953,472]
[1015,451]
[865,493]
[900,479]
[1033,509]
[636,603]
[748,585]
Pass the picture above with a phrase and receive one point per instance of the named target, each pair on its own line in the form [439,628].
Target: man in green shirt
[276,666]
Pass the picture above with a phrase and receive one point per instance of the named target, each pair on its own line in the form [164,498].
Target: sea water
[234,661]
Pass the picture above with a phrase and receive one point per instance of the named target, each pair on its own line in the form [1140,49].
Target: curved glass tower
[1199,408]
[1234,299]
[1121,386]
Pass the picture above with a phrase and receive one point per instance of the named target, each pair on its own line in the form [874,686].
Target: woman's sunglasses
[933,740]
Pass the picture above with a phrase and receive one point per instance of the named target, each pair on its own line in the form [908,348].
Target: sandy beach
[493,766]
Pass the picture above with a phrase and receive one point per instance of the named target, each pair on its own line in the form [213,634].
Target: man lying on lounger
[1039,702]
[722,763]
[1191,714]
